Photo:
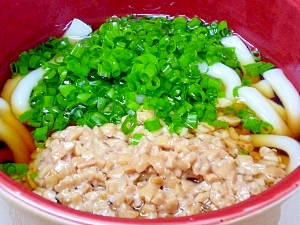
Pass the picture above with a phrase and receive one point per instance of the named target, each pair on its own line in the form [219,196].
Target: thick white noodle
[77,31]
[229,77]
[4,105]
[20,97]
[242,52]
[265,88]
[278,108]
[288,96]
[258,103]
[287,144]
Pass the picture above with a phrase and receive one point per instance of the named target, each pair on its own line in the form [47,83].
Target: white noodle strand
[264,87]
[287,144]
[77,31]
[20,97]
[278,108]
[288,96]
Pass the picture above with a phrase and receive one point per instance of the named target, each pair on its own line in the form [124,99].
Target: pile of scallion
[128,63]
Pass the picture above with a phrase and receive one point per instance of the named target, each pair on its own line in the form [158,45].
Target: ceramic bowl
[271,26]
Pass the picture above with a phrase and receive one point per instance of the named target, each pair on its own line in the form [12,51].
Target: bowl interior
[269,25]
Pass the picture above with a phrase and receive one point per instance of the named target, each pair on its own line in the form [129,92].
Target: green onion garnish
[135,139]
[97,80]
[152,124]
[129,124]
[14,170]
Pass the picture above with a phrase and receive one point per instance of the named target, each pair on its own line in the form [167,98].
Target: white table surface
[290,211]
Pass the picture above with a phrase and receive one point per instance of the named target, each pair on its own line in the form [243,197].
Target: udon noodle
[150,174]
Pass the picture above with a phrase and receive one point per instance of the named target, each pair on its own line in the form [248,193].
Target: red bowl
[271,26]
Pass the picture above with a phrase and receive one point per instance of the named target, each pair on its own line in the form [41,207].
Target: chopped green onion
[192,120]
[257,68]
[194,23]
[265,128]
[219,123]
[33,175]
[47,120]
[235,91]
[243,152]
[65,90]
[257,126]
[78,50]
[223,29]
[34,61]
[96,80]
[152,124]
[40,134]
[135,139]
[14,170]
[180,23]
[129,124]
